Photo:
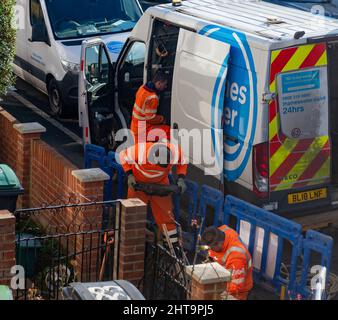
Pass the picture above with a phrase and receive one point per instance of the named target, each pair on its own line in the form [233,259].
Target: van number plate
[307,196]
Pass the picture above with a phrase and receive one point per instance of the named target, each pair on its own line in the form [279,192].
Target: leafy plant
[7,44]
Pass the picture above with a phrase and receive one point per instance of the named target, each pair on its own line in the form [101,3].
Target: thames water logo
[240,107]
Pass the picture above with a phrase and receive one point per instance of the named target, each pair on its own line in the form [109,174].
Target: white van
[262,75]
[49,41]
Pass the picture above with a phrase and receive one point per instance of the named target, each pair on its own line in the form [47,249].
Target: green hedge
[7,44]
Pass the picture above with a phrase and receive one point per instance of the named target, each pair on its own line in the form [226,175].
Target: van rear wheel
[55,99]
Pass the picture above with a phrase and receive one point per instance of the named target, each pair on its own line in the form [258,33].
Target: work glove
[182,185]
[131,181]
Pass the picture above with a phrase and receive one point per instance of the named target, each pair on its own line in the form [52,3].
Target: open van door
[96,95]
[198,94]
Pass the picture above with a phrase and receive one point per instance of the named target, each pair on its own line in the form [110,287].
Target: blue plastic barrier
[211,198]
[322,244]
[109,165]
[95,153]
[272,224]
[191,197]
[116,169]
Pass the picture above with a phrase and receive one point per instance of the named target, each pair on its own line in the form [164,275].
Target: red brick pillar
[26,132]
[132,240]
[89,188]
[8,139]
[208,281]
[7,246]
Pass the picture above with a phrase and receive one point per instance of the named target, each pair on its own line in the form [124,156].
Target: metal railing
[65,251]
[165,275]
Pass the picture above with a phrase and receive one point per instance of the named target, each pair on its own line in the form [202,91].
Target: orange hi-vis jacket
[135,159]
[235,257]
[145,109]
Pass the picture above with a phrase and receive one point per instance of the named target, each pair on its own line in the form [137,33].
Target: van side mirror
[39,33]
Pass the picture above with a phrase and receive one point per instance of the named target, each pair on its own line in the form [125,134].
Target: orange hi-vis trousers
[162,209]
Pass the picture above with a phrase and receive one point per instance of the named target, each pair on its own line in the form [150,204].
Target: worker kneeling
[227,249]
[149,164]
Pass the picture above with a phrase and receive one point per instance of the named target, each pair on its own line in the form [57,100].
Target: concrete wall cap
[5,214]
[131,203]
[90,175]
[32,127]
[209,273]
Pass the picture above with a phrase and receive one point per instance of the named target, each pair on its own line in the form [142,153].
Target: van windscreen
[303,103]
[86,18]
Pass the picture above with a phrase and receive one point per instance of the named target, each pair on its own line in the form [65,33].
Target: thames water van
[49,41]
[260,78]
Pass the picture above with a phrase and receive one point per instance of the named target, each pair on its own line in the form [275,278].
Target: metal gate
[165,276]
[55,250]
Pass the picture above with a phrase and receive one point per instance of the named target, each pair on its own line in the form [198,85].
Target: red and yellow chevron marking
[296,163]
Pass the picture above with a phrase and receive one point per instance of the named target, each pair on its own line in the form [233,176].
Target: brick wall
[7,246]
[208,281]
[8,139]
[50,179]
[133,239]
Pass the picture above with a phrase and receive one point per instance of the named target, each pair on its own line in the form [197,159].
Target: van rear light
[261,170]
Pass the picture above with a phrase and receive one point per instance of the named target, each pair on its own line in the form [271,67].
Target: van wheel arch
[54,95]
[48,79]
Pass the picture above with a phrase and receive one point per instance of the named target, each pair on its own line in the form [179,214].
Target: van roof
[262,20]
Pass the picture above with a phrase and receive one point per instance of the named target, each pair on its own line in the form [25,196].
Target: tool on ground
[172,251]
[109,241]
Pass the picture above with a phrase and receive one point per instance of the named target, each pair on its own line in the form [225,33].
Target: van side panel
[240,107]
[297,159]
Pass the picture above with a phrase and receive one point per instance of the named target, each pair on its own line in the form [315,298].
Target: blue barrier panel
[322,244]
[211,198]
[109,165]
[115,169]
[95,153]
[191,198]
[256,225]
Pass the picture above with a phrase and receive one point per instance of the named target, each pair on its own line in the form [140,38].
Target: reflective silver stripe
[150,111]
[148,175]
[172,232]
[128,160]
[138,117]
[136,107]
[148,99]
[236,249]
[142,109]
[135,115]
[173,240]
[238,281]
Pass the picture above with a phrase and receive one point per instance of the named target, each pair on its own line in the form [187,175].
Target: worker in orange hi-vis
[145,117]
[151,163]
[227,249]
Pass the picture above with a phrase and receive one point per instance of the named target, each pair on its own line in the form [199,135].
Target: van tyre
[55,99]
